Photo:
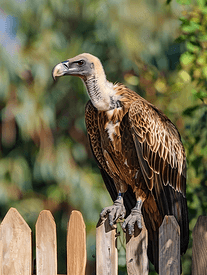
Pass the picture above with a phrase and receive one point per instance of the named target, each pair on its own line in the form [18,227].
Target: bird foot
[134,217]
[115,212]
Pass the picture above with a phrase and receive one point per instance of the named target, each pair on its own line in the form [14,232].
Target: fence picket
[15,245]
[106,250]
[46,244]
[199,253]
[76,244]
[169,247]
[136,251]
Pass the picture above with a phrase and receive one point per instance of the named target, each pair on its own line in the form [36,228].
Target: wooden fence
[16,247]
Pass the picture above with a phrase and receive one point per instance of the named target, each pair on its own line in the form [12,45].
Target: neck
[100,91]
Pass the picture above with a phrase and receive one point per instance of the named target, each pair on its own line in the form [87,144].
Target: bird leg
[134,217]
[116,211]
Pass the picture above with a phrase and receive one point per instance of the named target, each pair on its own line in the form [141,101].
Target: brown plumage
[137,148]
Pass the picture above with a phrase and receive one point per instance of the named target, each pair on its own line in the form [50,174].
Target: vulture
[138,150]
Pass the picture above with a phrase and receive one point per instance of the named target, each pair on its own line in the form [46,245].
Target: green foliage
[194,60]
[184,2]
[46,161]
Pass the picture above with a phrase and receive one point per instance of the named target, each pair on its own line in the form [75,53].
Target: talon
[102,214]
[139,225]
[131,229]
[134,217]
[114,212]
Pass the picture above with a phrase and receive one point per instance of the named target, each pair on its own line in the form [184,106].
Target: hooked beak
[61,69]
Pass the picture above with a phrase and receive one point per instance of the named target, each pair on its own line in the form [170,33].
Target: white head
[90,70]
[82,65]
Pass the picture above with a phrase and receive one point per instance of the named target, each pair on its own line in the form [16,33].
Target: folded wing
[162,161]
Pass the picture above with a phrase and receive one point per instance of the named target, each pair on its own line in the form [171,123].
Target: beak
[61,69]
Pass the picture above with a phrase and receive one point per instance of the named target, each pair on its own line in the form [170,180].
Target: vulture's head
[90,70]
[83,65]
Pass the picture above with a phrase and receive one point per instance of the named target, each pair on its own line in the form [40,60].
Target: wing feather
[162,162]
[158,144]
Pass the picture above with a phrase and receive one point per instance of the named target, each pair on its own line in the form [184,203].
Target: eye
[81,63]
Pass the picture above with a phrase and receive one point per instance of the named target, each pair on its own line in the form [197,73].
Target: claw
[139,224]
[103,213]
[111,215]
[115,211]
[134,217]
[118,215]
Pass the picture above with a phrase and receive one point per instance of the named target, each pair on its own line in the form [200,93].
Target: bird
[138,150]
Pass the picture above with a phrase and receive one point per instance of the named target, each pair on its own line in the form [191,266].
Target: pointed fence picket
[46,244]
[76,244]
[106,249]
[169,246]
[136,251]
[199,252]
[16,247]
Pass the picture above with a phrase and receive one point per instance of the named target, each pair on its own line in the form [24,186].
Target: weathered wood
[136,251]
[169,247]
[1,253]
[15,245]
[199,253]
[76,244]
[106,249]
[46,244]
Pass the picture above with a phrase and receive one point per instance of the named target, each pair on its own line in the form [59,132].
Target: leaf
[184,20]
[180,39]
[201,60]
[189,111]
[201,94]
[187,58]
[192,48]
[192,27]
[184,76]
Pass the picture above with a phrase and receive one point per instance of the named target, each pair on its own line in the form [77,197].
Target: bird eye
[81,63]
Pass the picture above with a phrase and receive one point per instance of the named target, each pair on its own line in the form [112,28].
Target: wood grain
[46,244]
[15,245]
[199,253]
[106,249]
[76,244]
[169,247]
[136,252]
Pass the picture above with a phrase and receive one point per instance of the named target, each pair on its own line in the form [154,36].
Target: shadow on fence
[16,247]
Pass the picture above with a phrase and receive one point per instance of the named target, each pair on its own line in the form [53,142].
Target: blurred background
[157,48]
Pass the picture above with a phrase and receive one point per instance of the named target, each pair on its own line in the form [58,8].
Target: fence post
[76,244]
[169,247]
[136,251]
[106,249]
[46,244]
[199,253]
[15,245]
